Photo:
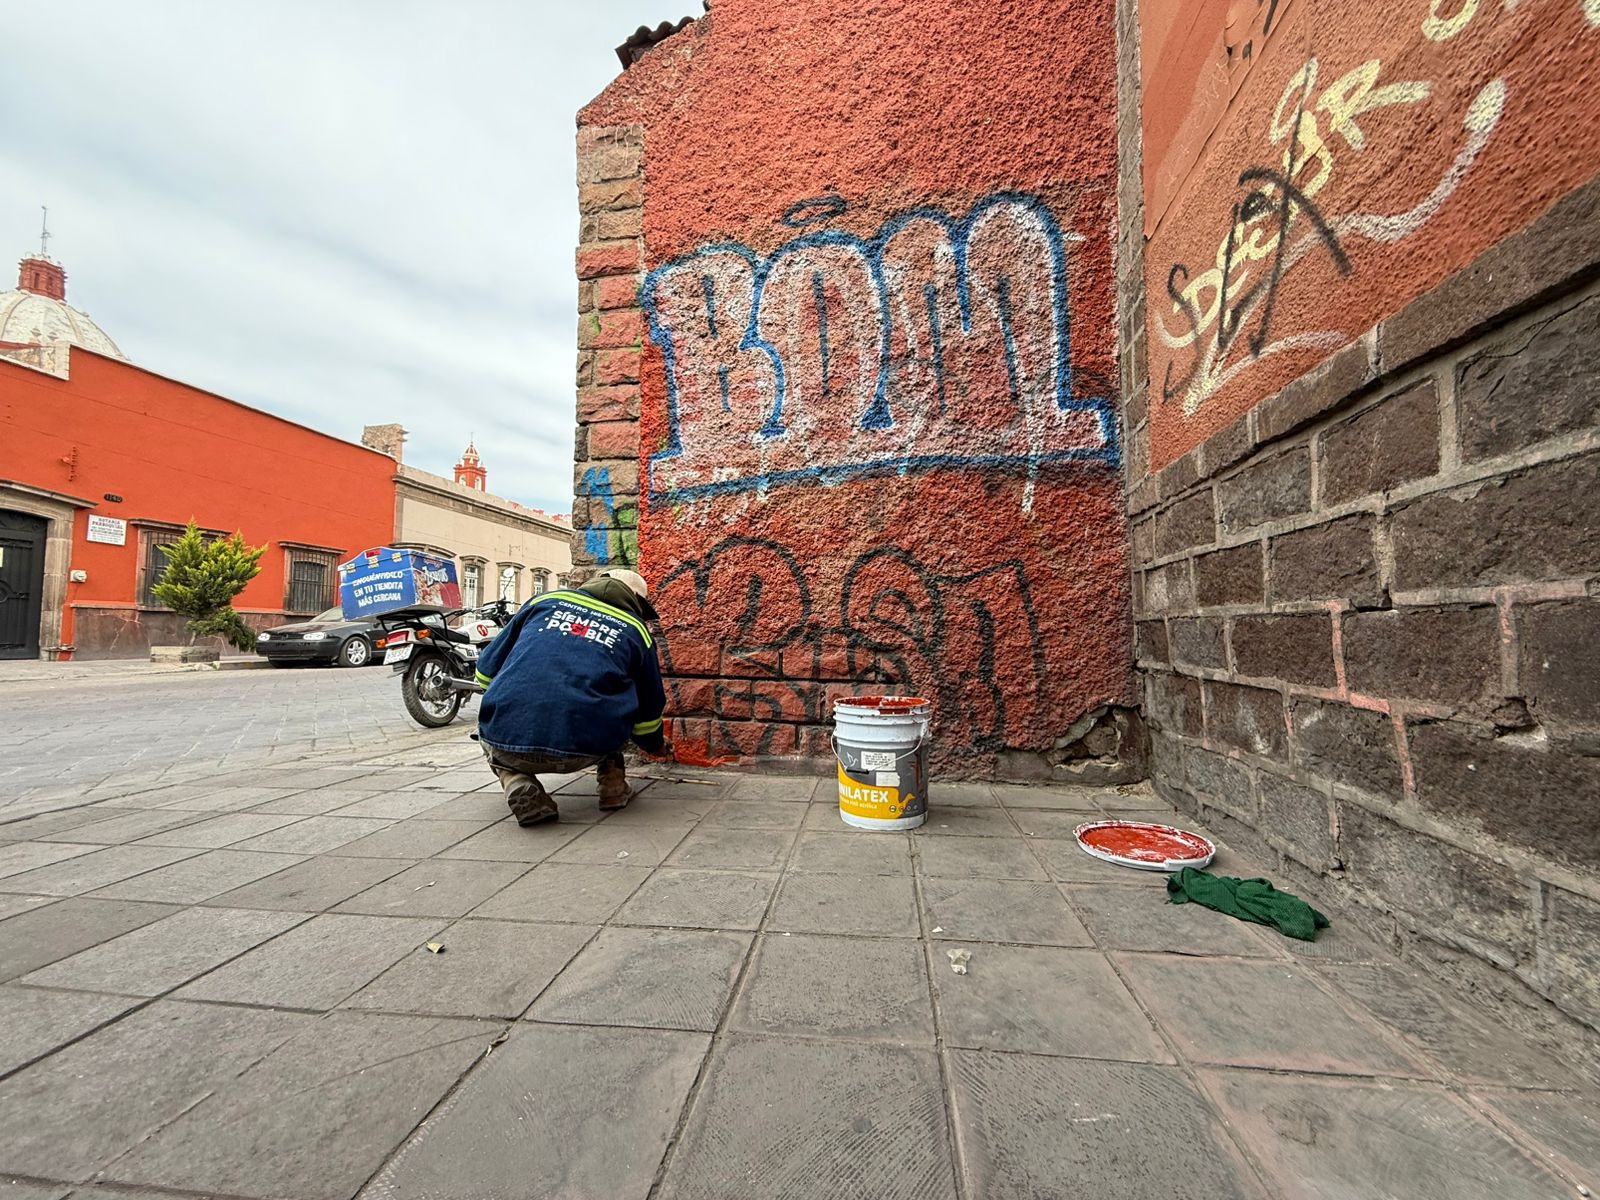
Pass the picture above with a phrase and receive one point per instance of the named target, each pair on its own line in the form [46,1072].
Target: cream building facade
[501,549]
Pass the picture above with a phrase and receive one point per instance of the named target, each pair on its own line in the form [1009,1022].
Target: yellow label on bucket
[872,803]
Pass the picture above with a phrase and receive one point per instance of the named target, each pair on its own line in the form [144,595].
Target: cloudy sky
[345,212]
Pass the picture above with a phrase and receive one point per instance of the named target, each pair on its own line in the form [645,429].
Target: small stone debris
[959,960]
[420,886]
[435,947]
[938,929]
[622,854]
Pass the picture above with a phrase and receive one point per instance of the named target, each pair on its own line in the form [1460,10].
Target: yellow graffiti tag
[1441,29]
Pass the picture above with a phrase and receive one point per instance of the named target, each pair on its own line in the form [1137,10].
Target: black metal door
[21,583]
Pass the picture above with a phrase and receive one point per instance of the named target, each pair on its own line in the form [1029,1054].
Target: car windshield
[329,617]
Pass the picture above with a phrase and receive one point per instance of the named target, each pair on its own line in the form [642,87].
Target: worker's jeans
[513,769]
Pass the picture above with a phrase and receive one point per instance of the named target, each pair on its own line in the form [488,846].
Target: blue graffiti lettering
[941,342]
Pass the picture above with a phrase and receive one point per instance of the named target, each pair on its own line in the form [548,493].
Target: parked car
[327,638]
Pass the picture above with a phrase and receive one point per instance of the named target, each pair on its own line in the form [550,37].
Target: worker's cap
[633,579]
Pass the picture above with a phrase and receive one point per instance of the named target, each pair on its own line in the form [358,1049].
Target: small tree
[201,579]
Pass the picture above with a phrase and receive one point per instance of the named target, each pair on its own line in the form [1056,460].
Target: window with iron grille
[471,584]
[312,579]
[153,563]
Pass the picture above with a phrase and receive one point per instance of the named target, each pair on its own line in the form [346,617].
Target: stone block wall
[610,268]
[1368,619]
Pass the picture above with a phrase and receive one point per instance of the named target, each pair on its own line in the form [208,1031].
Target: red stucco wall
[839,477]
[174,453]
[1427,132]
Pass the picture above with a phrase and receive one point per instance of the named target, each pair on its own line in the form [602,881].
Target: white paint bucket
[881,743]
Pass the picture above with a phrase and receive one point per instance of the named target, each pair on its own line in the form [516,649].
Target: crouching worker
[570,680]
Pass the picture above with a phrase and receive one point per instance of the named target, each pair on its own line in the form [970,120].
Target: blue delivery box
[386,580]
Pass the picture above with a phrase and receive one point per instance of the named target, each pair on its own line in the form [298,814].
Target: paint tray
[1144,845]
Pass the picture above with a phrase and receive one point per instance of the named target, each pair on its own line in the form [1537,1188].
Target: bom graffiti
[941,341]
[1345,185]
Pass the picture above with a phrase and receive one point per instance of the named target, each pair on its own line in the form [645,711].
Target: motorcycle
[438,663]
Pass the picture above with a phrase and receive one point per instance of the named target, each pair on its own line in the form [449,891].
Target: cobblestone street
[216,980]
[77,732]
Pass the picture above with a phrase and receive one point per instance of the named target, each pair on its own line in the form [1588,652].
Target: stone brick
[1229,576]
[1142,535]
[1378,449]
[691,697]
[1199,642]
[787,701]
[1558,669]
[616,291]
[609,162]
[1350,746]
[1522,790]
[585,372]
[623,476]
[620,223]
[1143,495]
[1269,489]
[1326,562]
[1447,893]
[1246,718]
[1317,392]
[759,739]
[1533,384]
[1220,782]
[1169,588]
[1189,522]
[615,194]
[1448,655]
[1533,525]
[611,329]
[1571,947]
[613,439]
[580,443]
[1178,477]
[1295,818]
[1233,444]
[1166,764]
[601,137]
[619,403]
[1296,648]
[733,700]
[1150,641]
[1174,703]
[608,258]
[616,366]
[1535,262]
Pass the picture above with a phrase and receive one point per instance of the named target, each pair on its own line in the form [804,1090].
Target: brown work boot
[530,803]
[614,790]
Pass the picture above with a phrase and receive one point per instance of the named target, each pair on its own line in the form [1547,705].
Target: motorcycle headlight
[263,637]
[316,637]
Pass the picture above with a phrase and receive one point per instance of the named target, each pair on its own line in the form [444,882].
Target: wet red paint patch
[1139,841]
[887,705]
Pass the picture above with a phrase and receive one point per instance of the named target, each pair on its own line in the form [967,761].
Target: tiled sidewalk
[225,989]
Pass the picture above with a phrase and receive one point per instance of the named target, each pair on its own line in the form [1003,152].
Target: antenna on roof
[44,232]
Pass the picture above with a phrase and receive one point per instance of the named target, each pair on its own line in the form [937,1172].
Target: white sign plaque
[113,531]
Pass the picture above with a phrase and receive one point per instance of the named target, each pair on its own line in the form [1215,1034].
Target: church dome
[36,313]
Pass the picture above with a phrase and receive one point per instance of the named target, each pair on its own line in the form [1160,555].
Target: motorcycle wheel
[429,700]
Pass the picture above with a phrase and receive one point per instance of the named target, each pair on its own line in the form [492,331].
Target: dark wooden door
[21,583]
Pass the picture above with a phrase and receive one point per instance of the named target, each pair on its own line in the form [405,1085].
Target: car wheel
[356,652]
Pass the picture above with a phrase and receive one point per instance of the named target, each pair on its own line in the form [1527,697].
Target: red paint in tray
[1145,845]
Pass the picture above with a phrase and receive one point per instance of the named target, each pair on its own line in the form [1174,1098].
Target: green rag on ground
[1249,900]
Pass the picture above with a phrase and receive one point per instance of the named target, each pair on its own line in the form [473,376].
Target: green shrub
[201,579]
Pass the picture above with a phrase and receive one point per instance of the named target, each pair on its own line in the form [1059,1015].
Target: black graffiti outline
[924,640]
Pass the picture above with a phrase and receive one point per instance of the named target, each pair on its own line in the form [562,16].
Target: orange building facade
[101,462]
